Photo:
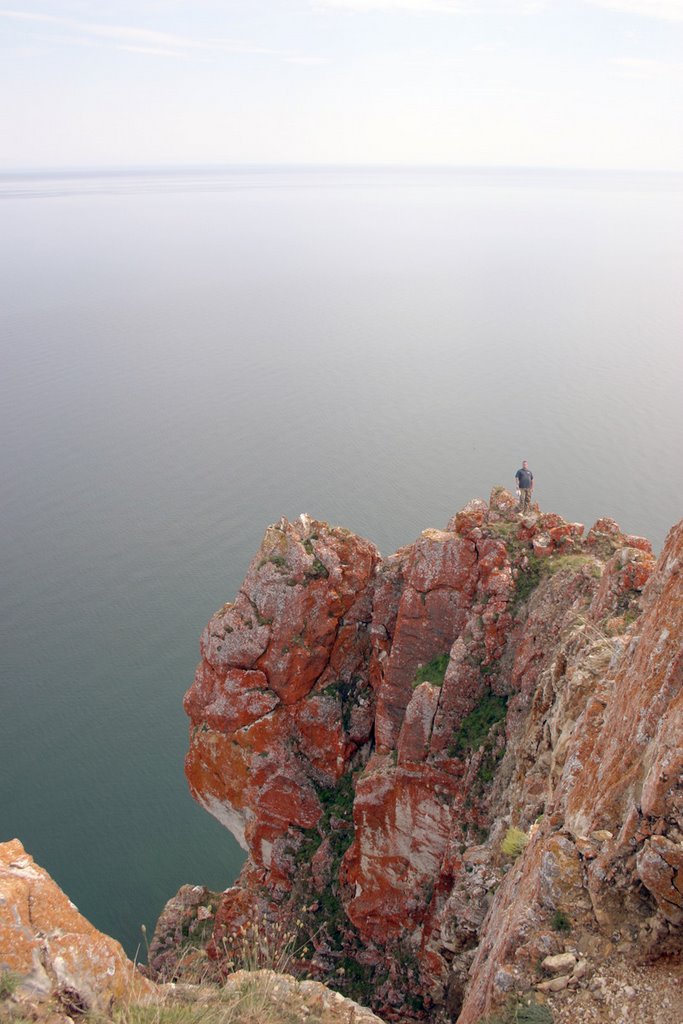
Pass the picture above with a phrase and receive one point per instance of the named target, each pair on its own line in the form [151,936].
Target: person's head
[525,464]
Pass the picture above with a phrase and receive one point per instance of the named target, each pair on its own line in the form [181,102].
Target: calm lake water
[186,357]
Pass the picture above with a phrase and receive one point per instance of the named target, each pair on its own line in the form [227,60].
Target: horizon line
[68,170]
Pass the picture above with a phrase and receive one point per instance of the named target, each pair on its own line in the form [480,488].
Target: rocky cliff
[449,767]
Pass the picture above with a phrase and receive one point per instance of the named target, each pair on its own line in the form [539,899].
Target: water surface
[188,356]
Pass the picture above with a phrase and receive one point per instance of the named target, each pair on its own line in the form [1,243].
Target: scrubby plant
[311,841]
[9,982]
[537,569]
[559,563]
[514,842]
[357,980]
[317,571]
[349,693]
[158,1013]
[262,945]
[337,801]
[475,727]
[279,561]
[252,1001]
[433,672]
[561,922]
[519,1011]
[506,531]
[528,579]
[335,826]
[491,758]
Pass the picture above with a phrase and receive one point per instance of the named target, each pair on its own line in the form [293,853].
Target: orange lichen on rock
[402,821]
[52,948]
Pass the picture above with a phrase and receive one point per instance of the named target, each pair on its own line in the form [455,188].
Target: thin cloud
[414,6]
[666,10]
[307,60]
[119,33]
[151,51]
[459,7]
[644,68]
[142,40]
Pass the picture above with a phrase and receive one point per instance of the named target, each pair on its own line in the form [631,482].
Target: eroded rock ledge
[452,763]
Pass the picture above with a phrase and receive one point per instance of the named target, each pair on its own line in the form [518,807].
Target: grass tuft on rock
[475,727]
[433,672]
[514,842]
[561,922]
[9,982]
[519,1011]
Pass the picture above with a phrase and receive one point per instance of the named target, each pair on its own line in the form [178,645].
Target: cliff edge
[456,771]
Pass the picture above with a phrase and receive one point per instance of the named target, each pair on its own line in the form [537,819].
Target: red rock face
[438,582]
[625,575]
[462,689]
[416,730]
[266,717]
[229,700]
[640,754]
[382,801]
[616,799]
[402,821]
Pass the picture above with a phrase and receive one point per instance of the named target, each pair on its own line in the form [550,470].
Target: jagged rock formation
[371,730]
[53,951]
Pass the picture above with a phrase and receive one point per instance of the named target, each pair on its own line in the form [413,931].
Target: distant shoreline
[54,182]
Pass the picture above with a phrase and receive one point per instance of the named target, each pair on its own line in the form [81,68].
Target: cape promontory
[457,774]
[458,768]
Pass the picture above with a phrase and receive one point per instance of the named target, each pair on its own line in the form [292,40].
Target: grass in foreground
[520,1012]
[253,999]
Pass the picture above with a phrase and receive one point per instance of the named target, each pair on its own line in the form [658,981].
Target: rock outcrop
[265,707]
[451,764]
[56,968]
[51,950]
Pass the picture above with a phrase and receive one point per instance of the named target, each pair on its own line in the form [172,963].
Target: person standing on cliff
[525,485]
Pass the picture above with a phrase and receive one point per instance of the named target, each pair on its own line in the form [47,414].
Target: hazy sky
[587,83]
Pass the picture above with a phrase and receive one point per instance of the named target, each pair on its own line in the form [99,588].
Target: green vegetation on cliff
[433,672]
[475,727]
